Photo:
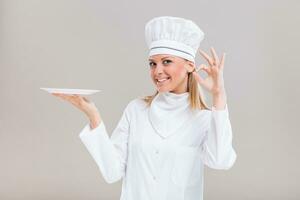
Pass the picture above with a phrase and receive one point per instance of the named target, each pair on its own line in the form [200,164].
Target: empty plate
[70,91]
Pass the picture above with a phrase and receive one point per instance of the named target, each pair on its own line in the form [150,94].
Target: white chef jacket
[160,151]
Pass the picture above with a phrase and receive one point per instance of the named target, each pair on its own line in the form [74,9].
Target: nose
[159,69]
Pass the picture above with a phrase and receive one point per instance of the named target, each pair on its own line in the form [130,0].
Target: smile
[162,81]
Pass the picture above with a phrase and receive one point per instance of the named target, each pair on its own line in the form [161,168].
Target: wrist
[95,120]
[94,124]
[219,100]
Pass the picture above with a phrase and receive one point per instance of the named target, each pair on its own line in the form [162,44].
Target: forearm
[218,150]
[109,152]
[102,148]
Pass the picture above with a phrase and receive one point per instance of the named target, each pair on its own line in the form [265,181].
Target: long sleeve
[217,150]
[109,153]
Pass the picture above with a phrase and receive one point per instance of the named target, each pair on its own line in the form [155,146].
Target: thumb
[86,99]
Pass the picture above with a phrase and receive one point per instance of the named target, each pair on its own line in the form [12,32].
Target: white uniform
[159,152]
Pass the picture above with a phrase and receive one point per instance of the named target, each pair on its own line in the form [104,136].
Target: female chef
[162,142]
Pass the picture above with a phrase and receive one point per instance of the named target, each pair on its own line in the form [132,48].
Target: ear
[189,66]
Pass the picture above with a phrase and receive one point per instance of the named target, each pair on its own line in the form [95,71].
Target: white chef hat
[173,35]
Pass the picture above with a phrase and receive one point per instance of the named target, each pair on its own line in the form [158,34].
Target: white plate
[70,91]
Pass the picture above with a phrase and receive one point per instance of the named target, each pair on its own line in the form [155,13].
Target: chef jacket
[160,151]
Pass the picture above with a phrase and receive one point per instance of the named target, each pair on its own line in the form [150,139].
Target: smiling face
[170,73]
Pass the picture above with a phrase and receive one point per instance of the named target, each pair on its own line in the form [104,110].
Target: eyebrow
[161,58]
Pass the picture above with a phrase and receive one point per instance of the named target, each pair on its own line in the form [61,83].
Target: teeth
[162,80]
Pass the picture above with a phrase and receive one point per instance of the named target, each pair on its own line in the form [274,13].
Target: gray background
[100,45]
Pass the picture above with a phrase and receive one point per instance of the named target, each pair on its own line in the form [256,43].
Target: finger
[57,95]
[205,68]
[222,61]
[196,69]
[77,96]
[207,57]
[215,56]
[198,78]
[66,97]
[78,99]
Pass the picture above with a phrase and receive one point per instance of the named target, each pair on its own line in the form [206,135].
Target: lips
[162,78]
[161,81]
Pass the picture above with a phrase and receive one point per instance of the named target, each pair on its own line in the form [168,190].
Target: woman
[163,141]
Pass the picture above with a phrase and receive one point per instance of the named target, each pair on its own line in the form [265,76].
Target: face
[169,72]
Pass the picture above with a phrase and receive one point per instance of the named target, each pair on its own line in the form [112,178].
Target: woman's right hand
[82,103]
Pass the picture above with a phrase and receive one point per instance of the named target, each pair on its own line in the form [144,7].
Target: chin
[162,89]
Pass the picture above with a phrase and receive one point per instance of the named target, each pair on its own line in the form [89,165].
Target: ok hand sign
[214,82]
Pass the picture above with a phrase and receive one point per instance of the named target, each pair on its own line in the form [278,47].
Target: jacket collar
[169,112]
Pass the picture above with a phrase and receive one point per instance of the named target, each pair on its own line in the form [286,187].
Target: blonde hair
[196,98]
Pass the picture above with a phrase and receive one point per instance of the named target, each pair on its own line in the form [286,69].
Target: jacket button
[156,151]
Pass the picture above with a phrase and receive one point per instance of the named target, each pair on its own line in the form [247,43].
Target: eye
[151,64]
[168,61]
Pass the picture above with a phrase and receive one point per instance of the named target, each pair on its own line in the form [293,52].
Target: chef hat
[173,35]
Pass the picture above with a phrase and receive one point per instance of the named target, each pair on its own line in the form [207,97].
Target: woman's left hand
[214,82]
